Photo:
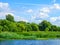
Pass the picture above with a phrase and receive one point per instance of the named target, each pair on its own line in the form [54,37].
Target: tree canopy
[9,24]
[10,17]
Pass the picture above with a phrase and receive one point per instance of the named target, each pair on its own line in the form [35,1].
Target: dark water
[30,42]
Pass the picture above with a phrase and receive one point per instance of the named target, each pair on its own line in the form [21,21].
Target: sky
[31,10]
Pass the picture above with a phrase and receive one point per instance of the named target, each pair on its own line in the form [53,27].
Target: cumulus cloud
[5,9]
[10,13]
[56,6]
[53,19]
[45,10]
[18,18]
[29,10]
[58,17]
[39,21]
[43,13]
[4,5]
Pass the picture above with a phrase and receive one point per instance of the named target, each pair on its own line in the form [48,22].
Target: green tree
[28,27]
[10,17]
[54,28]
[13,27]
[58,28]
[4,22]
[21,26]
[34,27]
[44,25]
[5,28]
[1,27]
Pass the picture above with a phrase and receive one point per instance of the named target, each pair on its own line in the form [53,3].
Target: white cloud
[18,18]
[25,20]
[43,15]
[40,14]
[4,5]
[58,18]
[45,10]
[39,21]
[3,15]
[5,9]
[56,6]
[33,17]
[53,19]
[10,13]
[30,11]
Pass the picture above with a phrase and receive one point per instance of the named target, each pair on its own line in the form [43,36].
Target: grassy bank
[29,35]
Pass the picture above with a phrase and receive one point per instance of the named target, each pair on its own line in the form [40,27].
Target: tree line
[9,24]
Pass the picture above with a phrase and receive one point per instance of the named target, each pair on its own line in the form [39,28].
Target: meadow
[29,35]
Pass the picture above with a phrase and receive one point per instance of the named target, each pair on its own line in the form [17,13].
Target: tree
[5,28]
[9,17]
[1,27]
[13,27]
[44,25]
[28,27]
[34,27]
[54,28]
[21,26]
[4,22]
[58,28]
[4,25]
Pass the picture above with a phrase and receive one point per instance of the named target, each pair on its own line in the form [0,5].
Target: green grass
[38,35]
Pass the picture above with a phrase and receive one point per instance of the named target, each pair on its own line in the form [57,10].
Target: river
[30,42]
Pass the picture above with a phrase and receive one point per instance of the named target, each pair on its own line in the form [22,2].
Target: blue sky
[31,10]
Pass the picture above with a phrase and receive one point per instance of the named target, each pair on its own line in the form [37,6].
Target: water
[30,42]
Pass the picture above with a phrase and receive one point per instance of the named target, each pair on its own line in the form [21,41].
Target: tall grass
[29,35]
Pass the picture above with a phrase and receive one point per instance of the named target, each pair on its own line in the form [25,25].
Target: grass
[38,35]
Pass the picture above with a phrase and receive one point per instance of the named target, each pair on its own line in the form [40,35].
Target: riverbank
[38,35]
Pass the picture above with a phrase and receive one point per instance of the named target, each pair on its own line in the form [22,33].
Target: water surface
[30,42]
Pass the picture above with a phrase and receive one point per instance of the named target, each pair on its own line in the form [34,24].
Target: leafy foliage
[26,30]
[9,24]
[10,17]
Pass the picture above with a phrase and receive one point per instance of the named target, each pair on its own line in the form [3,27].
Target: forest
[11,29]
